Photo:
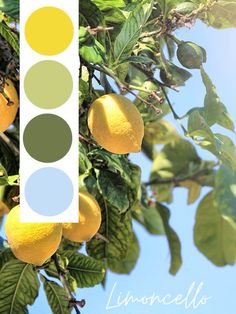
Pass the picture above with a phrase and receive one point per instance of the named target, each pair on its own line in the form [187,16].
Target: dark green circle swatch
[47,138]
[48,84]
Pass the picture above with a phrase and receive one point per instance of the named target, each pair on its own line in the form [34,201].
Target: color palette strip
[49,111]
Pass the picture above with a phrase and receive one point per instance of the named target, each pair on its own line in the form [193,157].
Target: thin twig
[147,103]
[170,105]
[176,181]
[99,236]
[98,29]
[87,140]
[156,34]
[177,118]
[9,143]
[72,300]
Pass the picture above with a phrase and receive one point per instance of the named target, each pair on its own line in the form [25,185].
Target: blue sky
[151,272]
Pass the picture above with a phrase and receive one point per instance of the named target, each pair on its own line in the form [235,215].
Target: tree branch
[9,143]
[72,300]
[193,177]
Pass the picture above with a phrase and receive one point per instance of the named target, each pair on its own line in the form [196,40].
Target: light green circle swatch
[48,84]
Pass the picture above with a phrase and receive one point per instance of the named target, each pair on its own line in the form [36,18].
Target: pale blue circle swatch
[49,191]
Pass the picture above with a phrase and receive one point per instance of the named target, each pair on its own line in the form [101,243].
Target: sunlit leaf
[225,192]
[131,31]
[214,233]
[173,240]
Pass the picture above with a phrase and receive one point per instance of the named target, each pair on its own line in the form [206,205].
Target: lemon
[116,124]
[89,220]
[8,107]
[32,243]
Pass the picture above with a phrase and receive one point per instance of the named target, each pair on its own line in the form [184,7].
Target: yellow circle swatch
[49,31]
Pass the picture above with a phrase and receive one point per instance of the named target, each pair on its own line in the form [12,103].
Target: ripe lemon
[8,110]
[116,124]
[89,220]
[32,243]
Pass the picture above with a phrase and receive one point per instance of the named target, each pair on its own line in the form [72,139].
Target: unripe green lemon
[190,55]
[116,124]
[32,243]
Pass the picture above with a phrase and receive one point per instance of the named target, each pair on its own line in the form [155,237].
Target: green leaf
[56,296]
[225,191]
[163,192]
[86,270]
[10,37]
[138,78]
[170,44]
[3,176]
[176,160]
[114,190]
[115,163]
[84,163]
[222,14]
[225,119]
[214,233]
[114,16]
[70,245]
[167,5]
[226,150]
[140,59]
[83,91]
[121,167]
[5,256]
[218,144]
[126,265]
[19,287]
[160,132]
[185,7]
[108,4]
[118,232]
[150,218]
[200,131]
[131,31]
[174,75]
[92,51]
[148,149]
[194,190]
[122,70]
[173,240]
[90,13]
[10,7]
[214,110]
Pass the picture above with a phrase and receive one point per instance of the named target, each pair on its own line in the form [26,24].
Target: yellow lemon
[32,243]
[116,124]
[89,220]
[8,107]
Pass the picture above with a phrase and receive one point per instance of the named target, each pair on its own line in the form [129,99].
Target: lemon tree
[128,52]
